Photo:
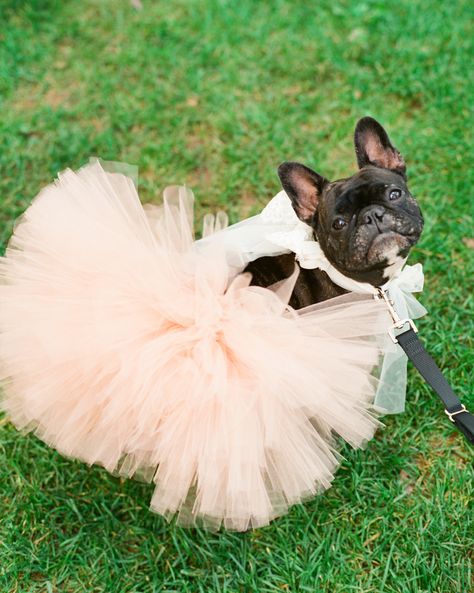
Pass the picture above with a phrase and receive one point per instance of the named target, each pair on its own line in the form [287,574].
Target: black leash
[429,370]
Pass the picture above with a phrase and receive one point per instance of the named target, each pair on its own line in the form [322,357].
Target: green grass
[215,94]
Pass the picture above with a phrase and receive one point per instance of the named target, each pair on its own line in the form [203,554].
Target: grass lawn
[216,94]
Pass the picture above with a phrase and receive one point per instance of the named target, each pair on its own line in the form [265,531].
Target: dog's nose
[373,215]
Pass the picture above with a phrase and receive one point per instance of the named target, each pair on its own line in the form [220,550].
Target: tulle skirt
[125,343]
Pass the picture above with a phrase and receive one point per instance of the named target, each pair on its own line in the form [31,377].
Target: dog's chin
[386,247]
[383,258]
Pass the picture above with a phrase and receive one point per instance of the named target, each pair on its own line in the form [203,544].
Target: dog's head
[367,223]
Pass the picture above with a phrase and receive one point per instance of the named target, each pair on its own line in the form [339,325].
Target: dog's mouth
[387,245]
[383,250]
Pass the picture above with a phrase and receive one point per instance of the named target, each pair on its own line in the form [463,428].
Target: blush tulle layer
[125,343]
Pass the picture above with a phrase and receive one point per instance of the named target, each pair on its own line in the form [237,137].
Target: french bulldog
[365,224]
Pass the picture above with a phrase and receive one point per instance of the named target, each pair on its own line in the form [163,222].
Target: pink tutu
[123,342]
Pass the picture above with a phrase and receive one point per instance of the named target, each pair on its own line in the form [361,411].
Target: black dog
[365,224]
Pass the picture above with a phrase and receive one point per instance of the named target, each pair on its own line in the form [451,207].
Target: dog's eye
[394,194]
[339,223]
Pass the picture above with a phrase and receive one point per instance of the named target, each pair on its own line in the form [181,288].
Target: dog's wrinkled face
[366,223]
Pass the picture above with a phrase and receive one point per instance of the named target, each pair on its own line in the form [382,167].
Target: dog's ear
[304,187]
[373,147]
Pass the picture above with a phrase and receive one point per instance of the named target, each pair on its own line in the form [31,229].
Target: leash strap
[429,370]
